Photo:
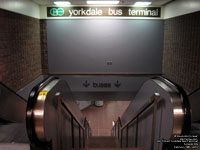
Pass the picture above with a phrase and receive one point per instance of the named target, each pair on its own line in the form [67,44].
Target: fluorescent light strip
[62,3]
[142,3]
[102,2]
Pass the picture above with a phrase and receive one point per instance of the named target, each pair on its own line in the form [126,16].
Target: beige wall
[181,7]
[25,7]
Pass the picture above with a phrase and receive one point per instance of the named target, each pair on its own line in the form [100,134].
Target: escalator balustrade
[159,111]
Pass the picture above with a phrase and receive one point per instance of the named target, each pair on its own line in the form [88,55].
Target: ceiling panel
[83,2]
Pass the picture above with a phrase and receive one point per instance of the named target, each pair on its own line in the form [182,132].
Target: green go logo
[56,12]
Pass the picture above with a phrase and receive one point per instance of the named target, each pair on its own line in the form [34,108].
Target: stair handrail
[87,126]
[65,105]
[81,125]
[118,122]
[154,98]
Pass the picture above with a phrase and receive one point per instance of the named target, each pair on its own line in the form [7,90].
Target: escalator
[51,119]
[13,133]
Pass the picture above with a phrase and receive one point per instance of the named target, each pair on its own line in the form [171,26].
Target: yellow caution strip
[42,95]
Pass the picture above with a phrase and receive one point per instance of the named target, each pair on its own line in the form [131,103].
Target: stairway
[105,143]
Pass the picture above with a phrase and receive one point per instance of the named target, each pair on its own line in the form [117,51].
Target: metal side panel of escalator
[54,120]
[158,113]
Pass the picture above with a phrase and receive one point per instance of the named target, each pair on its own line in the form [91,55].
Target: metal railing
[118,128]
[85,127]
[88,130]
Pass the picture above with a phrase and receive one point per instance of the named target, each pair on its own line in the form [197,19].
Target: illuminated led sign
[103,11]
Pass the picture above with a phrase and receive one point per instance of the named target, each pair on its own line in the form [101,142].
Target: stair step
[102,142]
[115,149]
[14,146]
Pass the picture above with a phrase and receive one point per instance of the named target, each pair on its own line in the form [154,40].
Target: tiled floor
[100,118]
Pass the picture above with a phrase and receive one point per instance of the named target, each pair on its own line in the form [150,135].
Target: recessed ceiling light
[142,3]
[102,2]
[62,3]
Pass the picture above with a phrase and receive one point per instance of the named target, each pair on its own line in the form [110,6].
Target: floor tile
[100,118]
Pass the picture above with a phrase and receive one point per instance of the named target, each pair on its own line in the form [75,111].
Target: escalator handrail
[29,111]
[186,104]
